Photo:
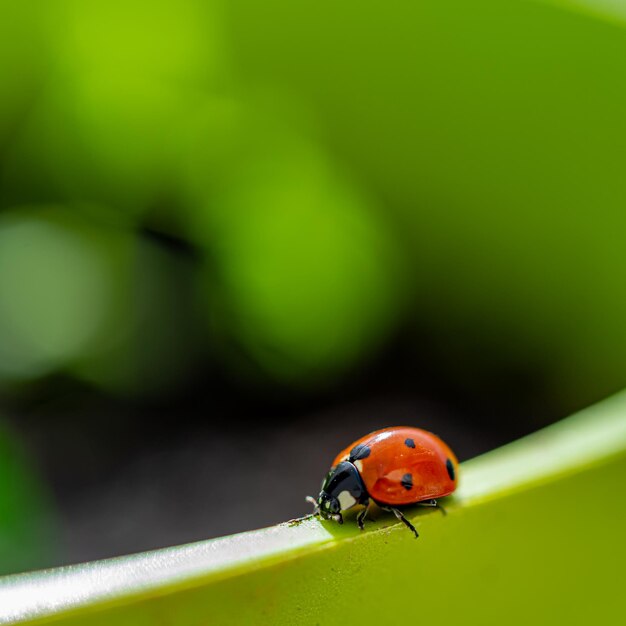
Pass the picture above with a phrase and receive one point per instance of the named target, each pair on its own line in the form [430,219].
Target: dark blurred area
[236,236]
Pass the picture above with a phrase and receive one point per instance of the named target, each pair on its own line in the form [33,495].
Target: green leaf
[495,138]
[533,534]
[27,520]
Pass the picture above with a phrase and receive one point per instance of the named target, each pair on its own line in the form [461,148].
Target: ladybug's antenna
[316,511]
[313,501]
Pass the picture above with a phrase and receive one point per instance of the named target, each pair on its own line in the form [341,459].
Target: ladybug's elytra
[392,467]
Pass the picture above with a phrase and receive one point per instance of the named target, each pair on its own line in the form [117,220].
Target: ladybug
[392,467]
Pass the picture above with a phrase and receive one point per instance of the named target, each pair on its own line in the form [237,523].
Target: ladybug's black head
[341,490]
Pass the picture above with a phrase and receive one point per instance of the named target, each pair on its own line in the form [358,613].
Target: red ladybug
[392,467]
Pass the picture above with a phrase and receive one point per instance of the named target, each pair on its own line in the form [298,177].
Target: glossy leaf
[534,534]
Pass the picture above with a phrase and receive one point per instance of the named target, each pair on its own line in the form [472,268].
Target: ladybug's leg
[297,520]
[360,518]
[401,517]
[434,504]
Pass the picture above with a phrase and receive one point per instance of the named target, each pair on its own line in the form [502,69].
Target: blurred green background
[230,223]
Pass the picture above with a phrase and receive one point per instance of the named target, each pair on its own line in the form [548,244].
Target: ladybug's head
[328,507]
[341,490]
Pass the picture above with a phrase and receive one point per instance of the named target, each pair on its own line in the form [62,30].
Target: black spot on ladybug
[359,452]
[409,443]
[407,481]
[450,469]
